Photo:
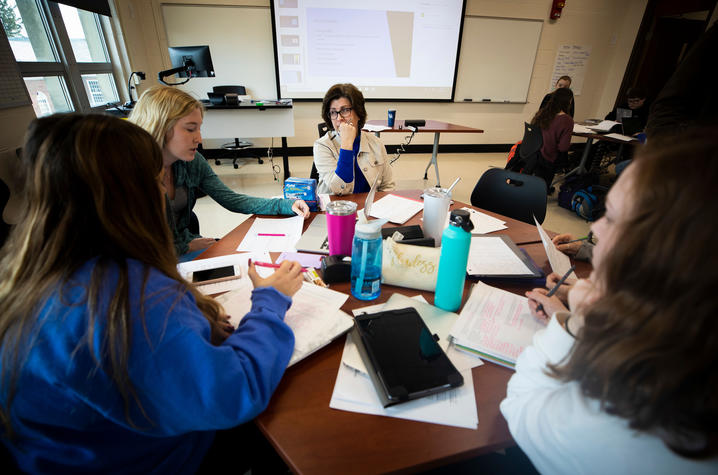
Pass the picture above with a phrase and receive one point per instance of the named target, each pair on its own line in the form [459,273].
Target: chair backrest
[322,129]
[512,194]
[532,141]
[241,90]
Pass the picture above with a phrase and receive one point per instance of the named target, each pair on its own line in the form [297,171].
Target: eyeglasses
[344,112]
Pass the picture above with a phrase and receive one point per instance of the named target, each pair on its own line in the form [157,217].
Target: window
[62,55]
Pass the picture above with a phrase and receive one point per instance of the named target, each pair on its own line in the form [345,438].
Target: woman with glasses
[348,159]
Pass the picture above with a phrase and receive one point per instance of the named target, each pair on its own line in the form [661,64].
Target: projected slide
[389,49]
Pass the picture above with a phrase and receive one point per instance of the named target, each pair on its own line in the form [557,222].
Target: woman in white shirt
[628,381]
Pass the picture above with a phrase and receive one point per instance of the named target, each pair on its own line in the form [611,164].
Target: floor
[257,180]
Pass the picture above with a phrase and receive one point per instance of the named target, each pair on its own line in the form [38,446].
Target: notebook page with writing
[496,322]
[314,316]
[490,255]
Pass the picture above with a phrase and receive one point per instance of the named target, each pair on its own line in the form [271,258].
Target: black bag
[580,195]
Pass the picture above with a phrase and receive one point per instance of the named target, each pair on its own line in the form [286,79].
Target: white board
[497,59]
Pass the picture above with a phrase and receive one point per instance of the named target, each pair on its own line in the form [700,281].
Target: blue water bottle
[455,243]
[366,260]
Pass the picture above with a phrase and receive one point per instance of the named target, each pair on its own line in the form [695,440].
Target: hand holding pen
[544,303]
[569,245]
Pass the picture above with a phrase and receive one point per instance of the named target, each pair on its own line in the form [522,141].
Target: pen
[270,234]
[273,266]
[560,282]
[588,238]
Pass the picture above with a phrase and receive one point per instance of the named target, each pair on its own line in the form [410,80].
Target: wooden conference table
[435,126]
[313,438]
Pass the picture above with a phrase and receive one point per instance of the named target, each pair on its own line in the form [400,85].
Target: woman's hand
[300,208]
[548,305]
[563,290]
[287,279]
[569,249]
[347,132]
[200,243]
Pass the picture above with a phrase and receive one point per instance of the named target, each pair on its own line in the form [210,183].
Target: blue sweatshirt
[69,416]
[348,168]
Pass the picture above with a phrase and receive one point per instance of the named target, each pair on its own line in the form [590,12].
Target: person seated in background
[174,118]
[556,127]
[626,382]
[112,362]
[634,107]
[349,159]
[563,82]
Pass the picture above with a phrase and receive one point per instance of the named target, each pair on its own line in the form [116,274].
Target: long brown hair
[649,347]
[560,101]
[92,189]
[353,95]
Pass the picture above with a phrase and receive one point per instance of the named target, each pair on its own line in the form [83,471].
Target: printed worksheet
[560,263]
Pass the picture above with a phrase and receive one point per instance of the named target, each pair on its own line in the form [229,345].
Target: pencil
[560,282]
[273,266]
[539,307]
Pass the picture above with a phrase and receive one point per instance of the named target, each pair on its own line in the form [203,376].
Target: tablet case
[403,359]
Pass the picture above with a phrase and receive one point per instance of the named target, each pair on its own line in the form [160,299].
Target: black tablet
[403,358]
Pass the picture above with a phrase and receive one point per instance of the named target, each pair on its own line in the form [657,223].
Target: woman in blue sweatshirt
[110,361]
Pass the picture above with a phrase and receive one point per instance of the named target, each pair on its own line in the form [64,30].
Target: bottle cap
[370,230]
[462,219]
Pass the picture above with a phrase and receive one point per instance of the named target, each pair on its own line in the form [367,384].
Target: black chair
[322,128]
[238,144]
[512,194]
[529,152]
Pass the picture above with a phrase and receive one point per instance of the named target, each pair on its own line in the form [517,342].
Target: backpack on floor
[580,195]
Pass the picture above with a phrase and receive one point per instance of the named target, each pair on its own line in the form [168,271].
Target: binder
[403,358]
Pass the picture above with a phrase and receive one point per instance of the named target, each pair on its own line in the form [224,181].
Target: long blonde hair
[160,107]
[92,188]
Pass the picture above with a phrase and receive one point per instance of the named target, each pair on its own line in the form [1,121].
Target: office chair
[512,194]
[322,128]
[238,144]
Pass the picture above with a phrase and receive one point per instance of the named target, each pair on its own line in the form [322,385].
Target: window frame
[66,66]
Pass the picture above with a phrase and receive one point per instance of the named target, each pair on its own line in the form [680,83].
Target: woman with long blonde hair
[110,361]
[174,118]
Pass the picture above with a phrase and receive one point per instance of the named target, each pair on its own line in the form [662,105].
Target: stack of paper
[581,129]
[354,390]
[622,137]
[314,315]
[491,255]
[495,324]
[395,208]
[273,235]
[604,126]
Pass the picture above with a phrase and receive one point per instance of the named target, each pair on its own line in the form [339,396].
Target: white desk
[250,120]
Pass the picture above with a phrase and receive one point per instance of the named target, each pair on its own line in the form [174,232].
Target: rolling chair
[238,144]
[322,128]
[516,195]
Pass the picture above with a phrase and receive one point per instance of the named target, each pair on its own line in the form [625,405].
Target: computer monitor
[195,59]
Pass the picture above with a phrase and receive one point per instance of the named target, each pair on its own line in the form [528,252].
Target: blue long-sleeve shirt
[69,416]
[348,168]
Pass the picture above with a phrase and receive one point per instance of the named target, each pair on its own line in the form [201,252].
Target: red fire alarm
[556,8]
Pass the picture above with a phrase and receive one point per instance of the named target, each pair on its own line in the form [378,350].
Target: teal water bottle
[455,243]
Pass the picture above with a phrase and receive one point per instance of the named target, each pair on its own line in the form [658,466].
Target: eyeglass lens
[344,112]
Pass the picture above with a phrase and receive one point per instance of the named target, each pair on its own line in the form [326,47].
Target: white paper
[375,128]
[396,209]
[581,129]
[314,316]
[483,223]
[289,230]
[560,262]
[324,200]
[497,322]
[489,255]
[571,60]
[354,391]
[625,138]
[603,126]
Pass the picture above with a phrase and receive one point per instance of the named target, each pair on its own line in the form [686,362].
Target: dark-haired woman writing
[111,362]
[626,383]
[347,158]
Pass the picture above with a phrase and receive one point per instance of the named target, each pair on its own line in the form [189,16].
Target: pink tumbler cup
[341,219]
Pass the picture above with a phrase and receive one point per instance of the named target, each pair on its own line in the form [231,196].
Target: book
[495,324]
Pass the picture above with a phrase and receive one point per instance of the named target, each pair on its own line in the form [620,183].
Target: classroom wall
[609,27]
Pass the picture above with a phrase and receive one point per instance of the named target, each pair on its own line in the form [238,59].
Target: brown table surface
[313,438]
[431,126]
